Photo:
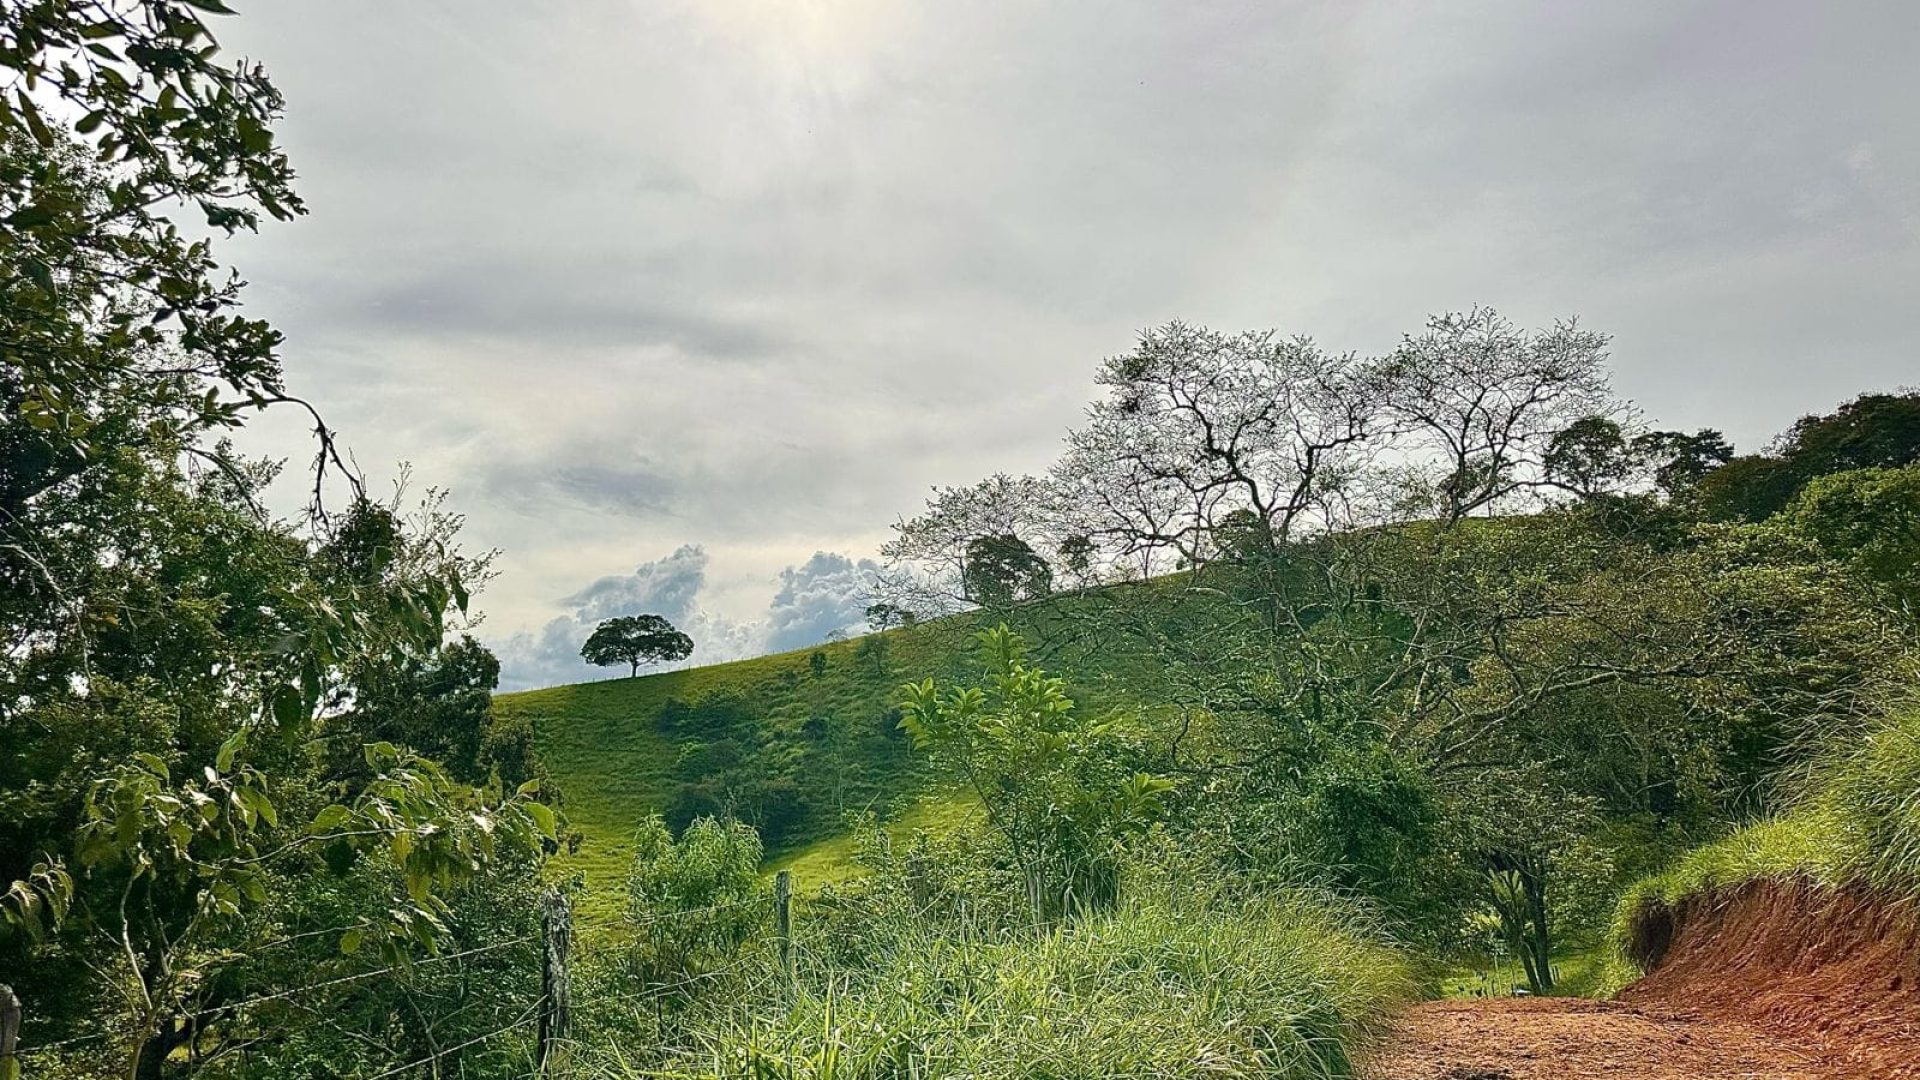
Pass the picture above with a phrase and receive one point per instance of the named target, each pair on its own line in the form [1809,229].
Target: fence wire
[279,995]
[530,1016]
[671,916]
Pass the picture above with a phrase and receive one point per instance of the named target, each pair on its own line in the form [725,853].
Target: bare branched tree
[1476,403]
[928,561]
[1199,428]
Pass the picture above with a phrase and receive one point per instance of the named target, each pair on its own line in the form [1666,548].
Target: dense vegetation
[1297,670]
[240,753]
[1441,628]
[1267,985]
[1855,822]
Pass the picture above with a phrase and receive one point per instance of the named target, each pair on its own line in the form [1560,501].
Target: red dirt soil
[1835,971]
[1579,1039]
[1776,980]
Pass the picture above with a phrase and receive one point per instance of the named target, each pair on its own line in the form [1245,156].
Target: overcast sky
[687,302]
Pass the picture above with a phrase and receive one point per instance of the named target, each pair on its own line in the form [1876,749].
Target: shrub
[692,902]
[1277,986]
[1064,790]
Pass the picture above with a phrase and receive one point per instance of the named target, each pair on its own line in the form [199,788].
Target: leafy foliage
[1873,431]
[1869,518]
[172,653]
[634,640]
[696,899]
[1064,792]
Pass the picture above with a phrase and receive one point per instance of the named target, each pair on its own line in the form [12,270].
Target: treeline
[1447,628]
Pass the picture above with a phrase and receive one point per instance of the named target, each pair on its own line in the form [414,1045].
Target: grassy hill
[791,743]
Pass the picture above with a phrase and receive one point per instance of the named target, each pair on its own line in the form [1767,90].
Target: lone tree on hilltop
[634,640]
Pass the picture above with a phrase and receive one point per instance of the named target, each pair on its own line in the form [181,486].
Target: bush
[694,901]
[1277,985]
[1064,790]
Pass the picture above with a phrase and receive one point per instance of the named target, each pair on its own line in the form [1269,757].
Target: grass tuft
[1857,824]
[1277,986]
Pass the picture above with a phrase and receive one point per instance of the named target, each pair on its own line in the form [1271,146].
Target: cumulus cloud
[825,594]
[668,587]
[662,587]
[763,273]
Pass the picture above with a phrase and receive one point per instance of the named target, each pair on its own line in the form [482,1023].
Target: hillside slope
[790,743]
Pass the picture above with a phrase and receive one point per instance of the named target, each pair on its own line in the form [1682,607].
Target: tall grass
[1278,986]
[1857,823]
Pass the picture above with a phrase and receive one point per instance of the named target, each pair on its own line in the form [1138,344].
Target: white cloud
[663,587]
[825,594]
[763,273]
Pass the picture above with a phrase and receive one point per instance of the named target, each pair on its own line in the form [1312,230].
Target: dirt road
[1577,1039]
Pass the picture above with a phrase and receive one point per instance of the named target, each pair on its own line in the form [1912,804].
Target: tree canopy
[1871,431]
[634,640]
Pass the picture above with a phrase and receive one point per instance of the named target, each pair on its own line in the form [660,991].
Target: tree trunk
[1536,885]
[1518,889]
[152,1060]
[1529,963]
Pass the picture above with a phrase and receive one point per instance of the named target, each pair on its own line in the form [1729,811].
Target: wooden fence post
[919,886]
[556,921]
[9,1033]
[783,918]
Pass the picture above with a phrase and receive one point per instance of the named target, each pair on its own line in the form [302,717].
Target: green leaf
[329,817]
[261,806]
[543,817]
[287,711]
[223,761]
[531,787]
[154,765]
[31,113]
[28,216]
[350,941]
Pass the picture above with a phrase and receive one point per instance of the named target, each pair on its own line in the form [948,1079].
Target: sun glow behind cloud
[753,276]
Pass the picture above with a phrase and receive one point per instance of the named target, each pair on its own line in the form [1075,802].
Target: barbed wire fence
[549,1015]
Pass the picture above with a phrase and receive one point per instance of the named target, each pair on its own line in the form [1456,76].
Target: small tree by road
[634,640]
